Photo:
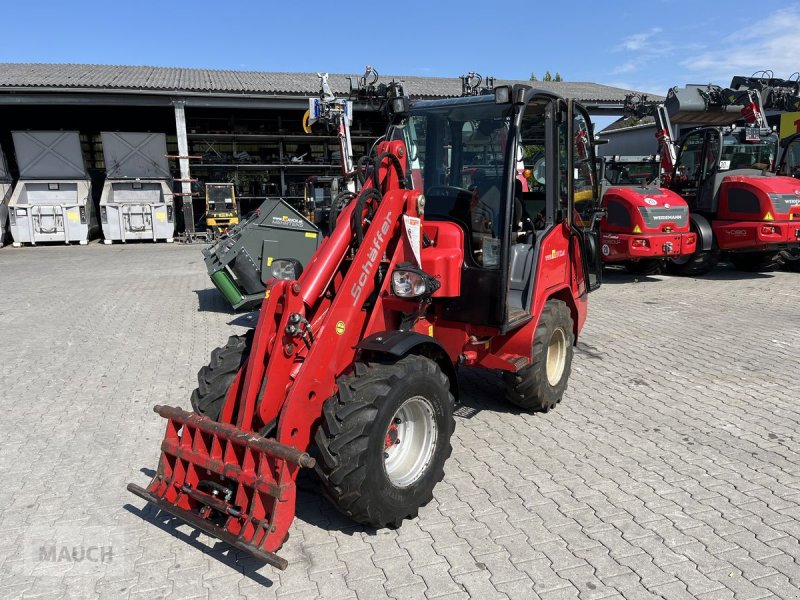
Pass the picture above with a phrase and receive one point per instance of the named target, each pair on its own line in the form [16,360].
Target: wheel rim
[410,442]
[556,356]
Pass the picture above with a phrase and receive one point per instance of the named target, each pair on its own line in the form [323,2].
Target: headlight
[286,268]
[412,283]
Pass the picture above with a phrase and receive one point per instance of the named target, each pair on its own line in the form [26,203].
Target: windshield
[791,159]
[220,197]
[457,152]
[740,154]
[637,173]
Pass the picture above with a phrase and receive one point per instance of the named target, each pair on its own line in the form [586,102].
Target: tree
[547,77]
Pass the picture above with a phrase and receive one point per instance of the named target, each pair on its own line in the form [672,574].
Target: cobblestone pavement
[670,470]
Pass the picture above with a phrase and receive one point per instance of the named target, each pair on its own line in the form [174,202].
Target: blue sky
[648,46]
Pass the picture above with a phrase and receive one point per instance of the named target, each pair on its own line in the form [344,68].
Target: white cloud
[638,41]
[771,43]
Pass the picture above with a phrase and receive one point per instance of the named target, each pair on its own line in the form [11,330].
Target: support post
[186,175]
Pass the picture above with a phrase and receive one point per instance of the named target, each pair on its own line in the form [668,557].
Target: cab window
[689,169]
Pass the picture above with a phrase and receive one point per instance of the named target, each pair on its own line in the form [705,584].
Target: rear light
[769,230]
[169,214]
[690,238]
[639,243]
[103,214]
[82,211]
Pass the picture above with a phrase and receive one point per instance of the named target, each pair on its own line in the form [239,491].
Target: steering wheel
[447,191]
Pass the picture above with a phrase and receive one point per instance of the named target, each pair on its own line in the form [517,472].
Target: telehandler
[351,368]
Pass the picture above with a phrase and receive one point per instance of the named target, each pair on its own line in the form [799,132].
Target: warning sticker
[412,226]
[605,250]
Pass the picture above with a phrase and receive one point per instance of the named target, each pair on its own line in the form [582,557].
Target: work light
[409,282]
[286,268]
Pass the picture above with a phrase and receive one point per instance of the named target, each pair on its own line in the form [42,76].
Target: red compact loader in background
[354,359]
[644,225]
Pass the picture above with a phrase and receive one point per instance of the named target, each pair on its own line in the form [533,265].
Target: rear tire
[755,262]
[370,475]
[541,385]
[214,380]
[699,263]
[646,266]
[791,260]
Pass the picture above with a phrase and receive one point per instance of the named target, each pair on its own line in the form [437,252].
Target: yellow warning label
[285,218]
[340,327]
[269,261]
[769,217]
[790,124]
[553,253]
[160,216]
[430,330]
[311,234]
[637,229]
[266,294]
[72,216]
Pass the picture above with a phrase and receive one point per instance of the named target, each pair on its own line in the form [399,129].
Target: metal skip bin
[52,200]
[6,188]
[136,203]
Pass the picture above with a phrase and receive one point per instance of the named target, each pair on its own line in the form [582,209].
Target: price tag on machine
[412,225]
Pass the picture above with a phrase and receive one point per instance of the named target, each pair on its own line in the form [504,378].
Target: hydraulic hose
[358,212]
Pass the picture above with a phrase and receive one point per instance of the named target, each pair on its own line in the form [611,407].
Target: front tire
[541,385]
[214,380]
[755,262]
[384,439]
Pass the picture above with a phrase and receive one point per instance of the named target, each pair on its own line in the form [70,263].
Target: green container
[227,287]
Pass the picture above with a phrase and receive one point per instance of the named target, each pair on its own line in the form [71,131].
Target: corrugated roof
[161,79]
[628,123]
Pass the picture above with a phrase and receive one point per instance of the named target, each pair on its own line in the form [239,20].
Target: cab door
[583,189]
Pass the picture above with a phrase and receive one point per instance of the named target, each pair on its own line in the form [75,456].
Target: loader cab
[709,154]
[505,172]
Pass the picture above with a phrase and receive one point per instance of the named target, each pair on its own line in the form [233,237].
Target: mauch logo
[286,220]
[76,554]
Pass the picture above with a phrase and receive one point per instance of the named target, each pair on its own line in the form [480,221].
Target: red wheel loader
[644,225]
[739,206]
[789,166]
[351,369]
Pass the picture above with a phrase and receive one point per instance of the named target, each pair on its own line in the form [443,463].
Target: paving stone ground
[670,470]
